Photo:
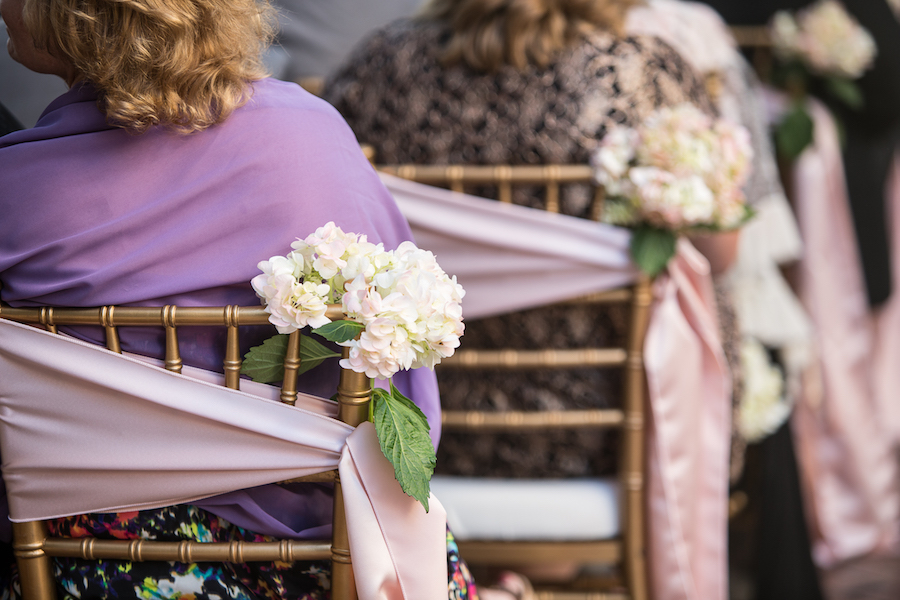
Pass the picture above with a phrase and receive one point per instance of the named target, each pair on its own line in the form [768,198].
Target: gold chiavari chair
[626,549]
[33,547]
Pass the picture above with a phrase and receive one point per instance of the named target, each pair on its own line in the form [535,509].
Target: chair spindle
[597,206]
[173,355]
[109,327]
[47,319]
[232,364]
[551,175]
[291,367]
[455,175]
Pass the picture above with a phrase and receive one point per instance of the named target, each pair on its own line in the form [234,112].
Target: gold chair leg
[35,567]
[343,584]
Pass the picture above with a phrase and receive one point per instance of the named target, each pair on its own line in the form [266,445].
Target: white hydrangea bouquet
[679,171]
[821,48]
[403,313]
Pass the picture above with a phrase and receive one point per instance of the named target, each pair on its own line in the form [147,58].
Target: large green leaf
[846,91]
[340,331]
[652,248]
[312,353]
[795,132]
[265,363]
[403,436]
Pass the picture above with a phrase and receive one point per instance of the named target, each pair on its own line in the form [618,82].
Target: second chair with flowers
[661,177]
[530,105]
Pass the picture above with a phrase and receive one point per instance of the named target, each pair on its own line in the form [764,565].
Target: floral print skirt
[198,581]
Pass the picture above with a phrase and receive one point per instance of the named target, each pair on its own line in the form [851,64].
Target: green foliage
[265,363]
[403,435]
[652,248]
[401,426]
[340,331]
[846,91]
[795,132]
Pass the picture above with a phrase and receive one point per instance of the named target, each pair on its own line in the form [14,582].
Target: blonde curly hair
[186,64]
[488,34]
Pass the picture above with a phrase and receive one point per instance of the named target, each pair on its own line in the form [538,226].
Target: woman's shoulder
[286,108]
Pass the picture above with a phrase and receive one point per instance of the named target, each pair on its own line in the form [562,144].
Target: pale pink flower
[683,165]
[825,37]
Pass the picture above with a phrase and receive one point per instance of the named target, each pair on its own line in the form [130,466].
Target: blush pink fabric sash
[116,434]
[509,258]
[887,322]
[848,467]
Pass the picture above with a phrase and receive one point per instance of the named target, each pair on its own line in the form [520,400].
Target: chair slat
[508,553]
[187,551]
[532,359]
[525,421]
[487,175]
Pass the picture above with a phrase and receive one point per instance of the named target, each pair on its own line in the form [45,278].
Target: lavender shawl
[93,215]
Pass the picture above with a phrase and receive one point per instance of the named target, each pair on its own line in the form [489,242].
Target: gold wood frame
[33,547]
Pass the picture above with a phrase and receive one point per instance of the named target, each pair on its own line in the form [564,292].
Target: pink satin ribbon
[119,434]
[848,466]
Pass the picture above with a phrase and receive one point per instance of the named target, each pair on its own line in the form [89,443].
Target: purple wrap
[93,215]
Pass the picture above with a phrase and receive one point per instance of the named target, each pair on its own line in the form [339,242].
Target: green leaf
[265,363]
[312,353]
[403,436]
[340,331]
[795,132]
[652,248]
[846,91]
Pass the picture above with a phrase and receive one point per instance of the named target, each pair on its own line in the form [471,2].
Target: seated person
[170,168]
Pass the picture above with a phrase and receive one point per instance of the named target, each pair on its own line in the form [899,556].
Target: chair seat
[529,509]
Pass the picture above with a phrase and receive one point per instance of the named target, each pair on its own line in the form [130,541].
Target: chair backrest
[756,42]
[629,418]
[460,178]
[32,546]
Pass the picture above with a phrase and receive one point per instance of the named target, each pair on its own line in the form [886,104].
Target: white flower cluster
[680,168]
[763,408]
[826,38]
[410,308]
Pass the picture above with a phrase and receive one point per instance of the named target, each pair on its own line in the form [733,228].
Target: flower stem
[372,403]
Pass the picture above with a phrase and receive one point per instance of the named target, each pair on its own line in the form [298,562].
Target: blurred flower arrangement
[763,407]
[821,47]
[678,171]
[403,313]
[895,6]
